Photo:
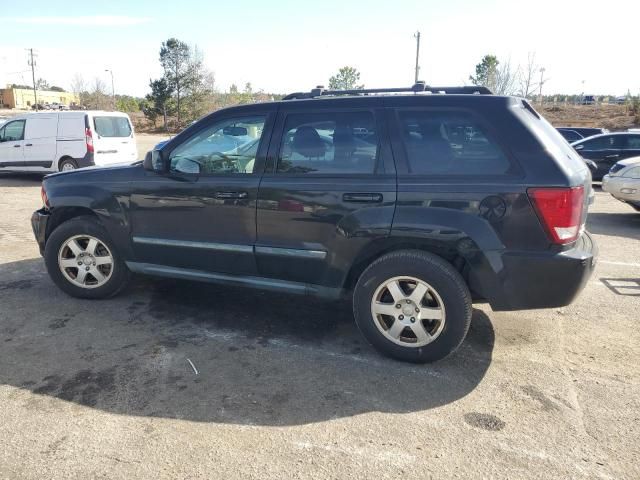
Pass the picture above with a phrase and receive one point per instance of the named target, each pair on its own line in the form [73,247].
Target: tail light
[45,199]
[560,211]
[89,139]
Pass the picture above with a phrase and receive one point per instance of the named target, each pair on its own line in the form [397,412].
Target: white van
[60,141]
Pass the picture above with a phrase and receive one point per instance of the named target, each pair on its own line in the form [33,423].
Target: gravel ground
[182,380]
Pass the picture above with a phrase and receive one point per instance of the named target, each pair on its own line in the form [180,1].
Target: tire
[67,164]
[444,309]
[102,269]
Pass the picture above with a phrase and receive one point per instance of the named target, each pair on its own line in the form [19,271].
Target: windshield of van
[112,126]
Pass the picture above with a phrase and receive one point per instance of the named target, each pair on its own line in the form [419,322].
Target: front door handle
[231,195]
[29,145]
[362,197]
[16,146]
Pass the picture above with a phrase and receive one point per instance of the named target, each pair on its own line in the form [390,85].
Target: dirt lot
[287,388]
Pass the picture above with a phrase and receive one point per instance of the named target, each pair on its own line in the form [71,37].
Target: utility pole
[542,70]
[32,64]
[113,90]
[417,37]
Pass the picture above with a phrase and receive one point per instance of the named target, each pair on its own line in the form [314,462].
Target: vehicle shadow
[615,224]
[15,179]
[211,354]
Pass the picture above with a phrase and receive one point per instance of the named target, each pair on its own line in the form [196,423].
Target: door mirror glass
[186,165]
[153,161]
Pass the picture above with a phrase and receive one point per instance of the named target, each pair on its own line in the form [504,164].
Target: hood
[109,173]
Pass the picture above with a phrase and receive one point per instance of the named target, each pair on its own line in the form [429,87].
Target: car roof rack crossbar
[418,87]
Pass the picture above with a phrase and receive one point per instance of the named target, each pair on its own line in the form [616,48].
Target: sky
[282,46]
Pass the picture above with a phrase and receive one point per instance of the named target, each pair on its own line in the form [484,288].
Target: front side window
[329,143]
[12,131]
[450,143]
[229,146]
[603,143]
[112,126]
[632,173]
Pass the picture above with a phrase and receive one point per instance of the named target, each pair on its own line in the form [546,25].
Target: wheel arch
[62,159]
[387,245]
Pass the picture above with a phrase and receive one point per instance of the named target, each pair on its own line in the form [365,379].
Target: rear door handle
[615,155]
[231,195]
[362,197]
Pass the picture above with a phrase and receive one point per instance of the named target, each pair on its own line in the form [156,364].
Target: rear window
[112,126]
[450,143]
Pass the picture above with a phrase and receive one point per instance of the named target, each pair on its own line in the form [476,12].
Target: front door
[604,150]
[12,144]
[200,215]
[329,190]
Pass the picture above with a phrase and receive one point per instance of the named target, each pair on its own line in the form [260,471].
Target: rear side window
[112,126]
[633,141]
[329,143]
[449,143]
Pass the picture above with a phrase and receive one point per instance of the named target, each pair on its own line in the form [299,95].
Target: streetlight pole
[113,90]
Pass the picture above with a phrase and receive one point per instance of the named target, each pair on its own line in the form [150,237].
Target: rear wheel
[67,165]
[412,306]
[82,260]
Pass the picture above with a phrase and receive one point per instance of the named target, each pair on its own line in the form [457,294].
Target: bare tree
[505,79]
[79,87]
[527,77]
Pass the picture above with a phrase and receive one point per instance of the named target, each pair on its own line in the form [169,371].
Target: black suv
[416,203]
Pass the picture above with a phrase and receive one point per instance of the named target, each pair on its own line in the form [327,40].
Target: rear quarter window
[107,126]
[450,143]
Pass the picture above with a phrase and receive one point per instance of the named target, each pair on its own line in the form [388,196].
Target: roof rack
[418,87]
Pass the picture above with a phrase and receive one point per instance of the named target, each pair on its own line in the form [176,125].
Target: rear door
[329,190]
[12,144]
[113,139]
[604,150]
[40,140]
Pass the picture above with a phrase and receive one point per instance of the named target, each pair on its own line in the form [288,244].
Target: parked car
[584,132]
[447,199]
[60,141]
[607,149]
[588,100]
[569,134]
[623,182]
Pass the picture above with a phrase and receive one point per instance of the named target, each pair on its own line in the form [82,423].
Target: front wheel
[82,260]
[412,306]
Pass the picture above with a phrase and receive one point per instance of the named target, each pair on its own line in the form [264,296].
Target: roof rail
[418,87]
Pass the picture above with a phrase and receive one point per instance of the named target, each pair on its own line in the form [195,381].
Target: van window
[331,142]
[449,143]
[12,131]
[112,126]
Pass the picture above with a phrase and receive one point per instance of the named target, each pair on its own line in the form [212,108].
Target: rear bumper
[86,161]
[39,221]
[525,280]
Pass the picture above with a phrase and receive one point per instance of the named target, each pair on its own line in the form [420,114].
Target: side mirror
[154,161]
[186,165]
